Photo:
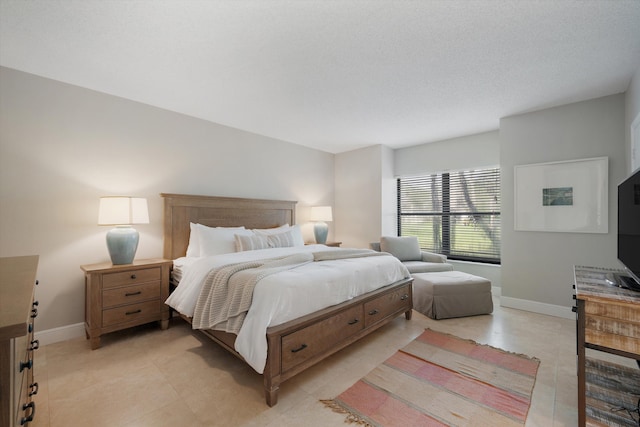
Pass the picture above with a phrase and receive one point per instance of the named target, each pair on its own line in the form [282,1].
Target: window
[453,213]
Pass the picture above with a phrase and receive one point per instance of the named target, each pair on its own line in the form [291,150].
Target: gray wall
[537,266]
[62,147]
[358,195]
[467,152]
[632,111]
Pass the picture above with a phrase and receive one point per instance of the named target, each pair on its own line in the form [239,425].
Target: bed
[295,345]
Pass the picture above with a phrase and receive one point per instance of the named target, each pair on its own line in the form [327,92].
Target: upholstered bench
[446,294]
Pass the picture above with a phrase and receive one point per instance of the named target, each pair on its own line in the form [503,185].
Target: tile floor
[148,377]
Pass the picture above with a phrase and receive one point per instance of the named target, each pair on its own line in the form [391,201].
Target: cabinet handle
[31,416]
[133,276]
[302,347]
[574,309]
[26,365]
[133,312]
[35,344]
[34,313]
[354,321]
[404,297]
[130,294]
[34,389]
[35,303]
[374,311]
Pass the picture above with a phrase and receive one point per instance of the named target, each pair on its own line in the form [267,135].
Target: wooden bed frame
[300,343]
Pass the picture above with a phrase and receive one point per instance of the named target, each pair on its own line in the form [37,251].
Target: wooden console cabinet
[608,321]
[121,296]
[17,344]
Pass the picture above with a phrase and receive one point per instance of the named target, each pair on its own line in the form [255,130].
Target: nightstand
[121,296]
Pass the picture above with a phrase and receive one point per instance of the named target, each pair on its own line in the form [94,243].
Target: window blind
[453,213]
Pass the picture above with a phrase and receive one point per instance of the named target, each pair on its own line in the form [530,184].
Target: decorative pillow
[282,240]
[404,248]
[295,229]
[219,240]
[250,243]
[275,230]
[193,249]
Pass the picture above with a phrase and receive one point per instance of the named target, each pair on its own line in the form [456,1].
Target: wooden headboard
[182,209]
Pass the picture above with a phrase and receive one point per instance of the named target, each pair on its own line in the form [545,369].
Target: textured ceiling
[334,75]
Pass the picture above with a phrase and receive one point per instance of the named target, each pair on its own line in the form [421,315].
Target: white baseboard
[63,333]
[538,307]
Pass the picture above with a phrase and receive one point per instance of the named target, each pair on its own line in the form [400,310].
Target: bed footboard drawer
[308,342]
[380,308]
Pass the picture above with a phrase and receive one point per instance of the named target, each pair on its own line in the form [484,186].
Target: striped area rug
[442,380]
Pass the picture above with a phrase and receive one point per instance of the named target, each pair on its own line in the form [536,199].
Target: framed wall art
[568,196]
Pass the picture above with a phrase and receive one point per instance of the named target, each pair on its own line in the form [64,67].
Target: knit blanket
[227,292]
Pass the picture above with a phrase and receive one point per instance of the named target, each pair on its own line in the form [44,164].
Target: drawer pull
[32,414]
[35,303]
[133,276]
[130,294]
[373,312]
[37,282]
[35,344]
[34,389]
[26,365]
[302,347]
[404,297]
[574,309]
[133,312]
[354,321]
[34,313]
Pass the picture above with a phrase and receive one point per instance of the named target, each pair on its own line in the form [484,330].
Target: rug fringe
[351,418]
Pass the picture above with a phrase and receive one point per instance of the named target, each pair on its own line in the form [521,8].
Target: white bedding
[287,295]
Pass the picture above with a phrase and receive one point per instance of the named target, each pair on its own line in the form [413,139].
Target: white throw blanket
[227,293]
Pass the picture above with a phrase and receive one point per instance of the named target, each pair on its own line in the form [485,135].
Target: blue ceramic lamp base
[320,230]
[122,243]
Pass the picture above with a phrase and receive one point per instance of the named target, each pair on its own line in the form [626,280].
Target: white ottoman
[448,294]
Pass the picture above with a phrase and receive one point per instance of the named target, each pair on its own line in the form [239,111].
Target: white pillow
[219,240]
[193,250]
[297,236]
[250,243]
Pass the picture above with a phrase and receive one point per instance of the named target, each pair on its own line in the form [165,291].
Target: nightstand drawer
[124,278]
[130,313]
[130,294]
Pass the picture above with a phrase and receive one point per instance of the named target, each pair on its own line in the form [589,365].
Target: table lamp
[122,211]
[320,214]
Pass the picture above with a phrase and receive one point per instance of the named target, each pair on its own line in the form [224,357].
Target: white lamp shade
[321,213]
[117,210]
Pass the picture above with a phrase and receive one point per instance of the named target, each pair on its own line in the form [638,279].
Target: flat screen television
[629,230]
